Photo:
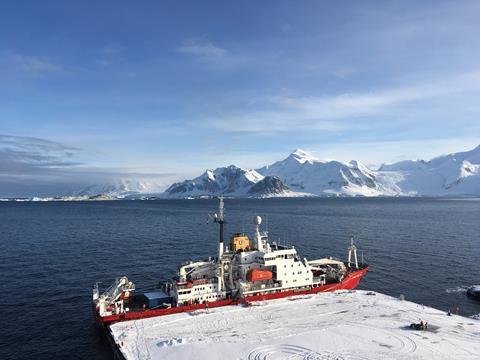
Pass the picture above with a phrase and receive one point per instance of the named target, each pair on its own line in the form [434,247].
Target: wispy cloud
[31,63]
[34,166]
[105,62]
[337,112]
[20,155]
[112,49]
[285,27]
[110,53]
[378,152]
[202,49]
[210,54]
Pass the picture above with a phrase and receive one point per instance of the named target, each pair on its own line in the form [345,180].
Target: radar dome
[257,220]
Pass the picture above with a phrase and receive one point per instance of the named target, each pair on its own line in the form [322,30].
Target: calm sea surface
[52,253]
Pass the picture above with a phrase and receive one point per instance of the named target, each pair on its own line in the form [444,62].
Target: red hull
[349,283]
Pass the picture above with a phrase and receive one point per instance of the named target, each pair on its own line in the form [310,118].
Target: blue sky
[168,88]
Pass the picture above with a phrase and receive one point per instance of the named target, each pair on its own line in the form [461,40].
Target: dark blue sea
[52,253]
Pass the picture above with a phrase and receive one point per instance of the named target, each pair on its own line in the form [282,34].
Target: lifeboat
[259,275]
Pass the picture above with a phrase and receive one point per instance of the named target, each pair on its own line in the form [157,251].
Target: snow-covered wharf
[339,325]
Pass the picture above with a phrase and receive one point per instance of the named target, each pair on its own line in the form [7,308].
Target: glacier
[121,188]
[456,174]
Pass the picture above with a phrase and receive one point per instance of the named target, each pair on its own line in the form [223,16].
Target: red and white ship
[247,270]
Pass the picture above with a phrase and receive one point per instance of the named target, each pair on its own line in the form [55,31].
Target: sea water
[52,253]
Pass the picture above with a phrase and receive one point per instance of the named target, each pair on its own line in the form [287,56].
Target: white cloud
[109,54]
[105,62]
[201,49]
[285,27]
[378,152]
[112,49]
[269,122]
[338,112]
[212,55]
[31,166]
[32,63]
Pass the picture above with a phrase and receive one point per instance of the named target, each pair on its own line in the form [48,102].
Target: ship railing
[276,287]
[190,284]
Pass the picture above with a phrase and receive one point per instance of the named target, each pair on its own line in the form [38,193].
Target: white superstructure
[252,267]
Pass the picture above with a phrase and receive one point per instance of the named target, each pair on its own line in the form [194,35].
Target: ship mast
[352,249]
[220,220]
[258,237]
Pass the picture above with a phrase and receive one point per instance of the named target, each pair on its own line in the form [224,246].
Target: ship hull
[350,282]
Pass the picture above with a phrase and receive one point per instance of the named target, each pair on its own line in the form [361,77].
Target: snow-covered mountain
[120,188]
[453,174]
[270,186]
[303,172]
[230,181]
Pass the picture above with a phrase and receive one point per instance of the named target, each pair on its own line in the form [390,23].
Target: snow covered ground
[340,325]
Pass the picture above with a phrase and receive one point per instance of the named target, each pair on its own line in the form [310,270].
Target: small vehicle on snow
[419,326]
